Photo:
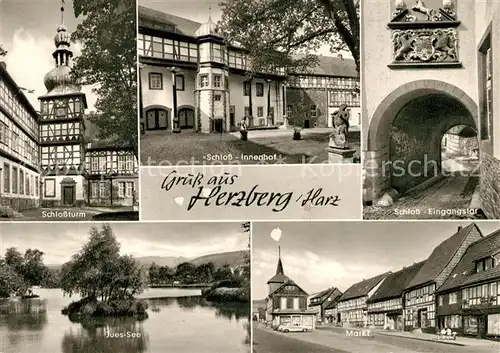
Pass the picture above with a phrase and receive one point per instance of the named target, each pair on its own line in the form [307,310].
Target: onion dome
[60,76]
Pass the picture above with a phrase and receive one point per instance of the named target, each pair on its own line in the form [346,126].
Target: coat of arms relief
[425,45]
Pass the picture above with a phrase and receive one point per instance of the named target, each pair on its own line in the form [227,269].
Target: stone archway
[407,127]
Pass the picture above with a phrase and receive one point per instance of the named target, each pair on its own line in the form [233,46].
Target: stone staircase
[8,212]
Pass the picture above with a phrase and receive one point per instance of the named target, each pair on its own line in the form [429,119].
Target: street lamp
[175,121]
[268,80]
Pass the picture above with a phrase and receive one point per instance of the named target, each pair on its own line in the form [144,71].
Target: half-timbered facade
[323,300]
[208,75]
[46,158]
[353,307]
[420,293]
[111,174]
[385,307]
[469,300]
[19,159]
[286,303]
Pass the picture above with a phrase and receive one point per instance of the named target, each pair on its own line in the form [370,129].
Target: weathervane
[62,11]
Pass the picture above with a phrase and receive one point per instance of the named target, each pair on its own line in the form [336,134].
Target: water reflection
[107,335]
[29,314]
[187,324]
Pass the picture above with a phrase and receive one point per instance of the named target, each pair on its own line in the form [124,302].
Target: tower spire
[279,268]
[210,14]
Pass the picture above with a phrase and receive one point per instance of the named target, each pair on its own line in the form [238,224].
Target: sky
[319,255]
[198,10]
[59,241]
[27,30]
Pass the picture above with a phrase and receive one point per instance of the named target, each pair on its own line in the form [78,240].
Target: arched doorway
[157,118]
[405,134]
[186,118]
[460,150]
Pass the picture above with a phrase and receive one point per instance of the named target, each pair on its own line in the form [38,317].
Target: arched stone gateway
[403,145]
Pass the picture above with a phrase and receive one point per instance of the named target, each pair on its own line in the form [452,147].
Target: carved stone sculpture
[340,119]
[420,7]
[425,45]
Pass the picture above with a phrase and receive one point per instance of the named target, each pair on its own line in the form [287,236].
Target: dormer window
[485,264]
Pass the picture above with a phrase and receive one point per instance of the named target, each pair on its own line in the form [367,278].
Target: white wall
[78,187]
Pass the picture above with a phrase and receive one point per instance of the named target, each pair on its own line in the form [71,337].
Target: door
[482,326]
[422,318]
[306,124]
[68,195]
[156,119]
[231,116]
[186,118]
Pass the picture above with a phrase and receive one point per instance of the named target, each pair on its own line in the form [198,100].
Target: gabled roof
[465,271]
[164,21]
[324,295]
[333,66]
[289,282]
[362,288]
[441,257]
[395,283]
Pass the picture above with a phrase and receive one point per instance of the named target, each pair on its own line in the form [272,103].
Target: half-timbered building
[420,293]
[353,307]
[50,158]
[468,302]
[385,307]
[323,300]
[286,303]
[19,159]
[213,92]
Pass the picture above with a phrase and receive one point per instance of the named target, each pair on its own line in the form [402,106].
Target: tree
[223,273]
[14,260]
[34,270]
[284,33]
[154,274]
[3,52]
[98,271]
[108,61]
[10,281]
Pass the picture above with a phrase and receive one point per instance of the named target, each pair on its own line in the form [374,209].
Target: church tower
[212,80]
[279,278]
[61,129]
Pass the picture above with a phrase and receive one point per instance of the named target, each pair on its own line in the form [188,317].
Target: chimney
[340,56]
[459,229]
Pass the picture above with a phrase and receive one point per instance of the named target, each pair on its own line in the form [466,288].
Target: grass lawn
[166,148]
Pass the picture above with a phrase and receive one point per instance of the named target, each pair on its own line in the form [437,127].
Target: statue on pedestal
[340,119]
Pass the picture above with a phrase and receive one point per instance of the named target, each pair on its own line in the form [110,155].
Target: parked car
[295,327]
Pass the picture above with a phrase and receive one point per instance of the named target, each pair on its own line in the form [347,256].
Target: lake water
[179,321]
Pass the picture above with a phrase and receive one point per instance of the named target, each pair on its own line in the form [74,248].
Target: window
[6,178]
[260,111]
[103,190]
[470,325]
[94,190]
[247,111]
[36,186]
[283,303]
[453,321]
[314,110]
[289,110]
[217,81]
[14,180]
[204,80]
[21,182]
[155,80]
[179,82]
[486,91]
[440,300]
[453,298]
[247,88]
[217,97]
[259,87]
[4,133]
[94,164]
[27,185]
[121,189]
[50,187]
[493,324]
[129,191]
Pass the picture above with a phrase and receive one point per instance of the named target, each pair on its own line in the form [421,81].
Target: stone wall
[19,203]
[490,186]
